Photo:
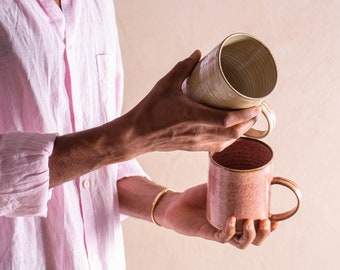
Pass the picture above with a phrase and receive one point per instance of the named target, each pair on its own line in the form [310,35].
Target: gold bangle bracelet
[155,202]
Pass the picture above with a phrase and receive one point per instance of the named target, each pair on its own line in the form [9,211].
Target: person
[68,171]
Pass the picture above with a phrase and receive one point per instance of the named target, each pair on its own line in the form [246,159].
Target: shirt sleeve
[24,173]
[130,168]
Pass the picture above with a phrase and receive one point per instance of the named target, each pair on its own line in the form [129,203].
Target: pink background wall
[304,37]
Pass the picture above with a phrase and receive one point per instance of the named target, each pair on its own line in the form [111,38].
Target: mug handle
[296,190]
[271,120]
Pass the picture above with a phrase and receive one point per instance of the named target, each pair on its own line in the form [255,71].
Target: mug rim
[225,78]
[212,160]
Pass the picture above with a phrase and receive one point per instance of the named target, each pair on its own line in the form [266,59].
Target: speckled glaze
[239,184]
[238,73]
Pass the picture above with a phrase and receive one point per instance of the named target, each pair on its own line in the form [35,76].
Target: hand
[185,213]
[166,119]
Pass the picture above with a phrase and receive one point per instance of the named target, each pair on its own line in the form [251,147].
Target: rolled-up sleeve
[130,168]
[24,173]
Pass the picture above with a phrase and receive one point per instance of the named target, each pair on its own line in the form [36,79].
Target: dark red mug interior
[244,154]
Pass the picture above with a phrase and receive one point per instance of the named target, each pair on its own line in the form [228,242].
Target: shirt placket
[84,183]
[90,234]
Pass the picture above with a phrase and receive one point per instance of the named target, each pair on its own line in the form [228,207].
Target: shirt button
[86,184]
[77,118]
[93,256]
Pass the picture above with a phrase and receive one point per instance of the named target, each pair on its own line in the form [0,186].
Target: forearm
[136,195]
[78,153]
[165,120]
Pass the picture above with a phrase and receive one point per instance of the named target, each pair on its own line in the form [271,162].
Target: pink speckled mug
[239,184]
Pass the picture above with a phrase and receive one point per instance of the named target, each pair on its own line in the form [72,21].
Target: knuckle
[197,132]
[226,121]
[222,240]
[225,238]
[235,133]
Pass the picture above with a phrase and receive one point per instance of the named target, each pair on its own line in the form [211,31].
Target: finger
[274,225]
[222,118]
[230,118]
[247,236]
[200,137]
[263,232]
[229,230]
[183,68]
[233,118]
[238,130]
[224,136]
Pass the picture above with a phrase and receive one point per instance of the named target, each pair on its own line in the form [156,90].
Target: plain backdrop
[304,37]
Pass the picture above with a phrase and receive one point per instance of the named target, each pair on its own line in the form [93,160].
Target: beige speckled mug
[239,73]
[239,184]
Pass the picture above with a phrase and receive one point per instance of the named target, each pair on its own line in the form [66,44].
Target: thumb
[183,68]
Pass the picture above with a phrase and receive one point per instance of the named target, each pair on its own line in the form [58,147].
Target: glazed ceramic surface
[239,73]
[240,179]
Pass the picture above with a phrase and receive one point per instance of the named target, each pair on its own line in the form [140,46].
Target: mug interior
[244,154]
[248,66]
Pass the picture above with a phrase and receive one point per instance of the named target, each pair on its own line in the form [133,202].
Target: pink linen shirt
[60,72]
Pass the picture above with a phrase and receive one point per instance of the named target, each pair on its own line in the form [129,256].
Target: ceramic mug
[237,74]
[239,184]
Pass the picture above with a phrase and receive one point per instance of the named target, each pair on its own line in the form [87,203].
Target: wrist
[161,203]
[119,141]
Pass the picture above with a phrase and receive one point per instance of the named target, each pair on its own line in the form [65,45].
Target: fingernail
[266,225]
[232,222]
